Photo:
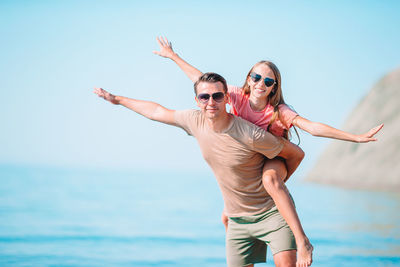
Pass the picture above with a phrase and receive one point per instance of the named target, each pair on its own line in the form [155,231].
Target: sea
[52,216]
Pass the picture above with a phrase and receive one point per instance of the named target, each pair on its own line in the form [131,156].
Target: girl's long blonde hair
[275,98]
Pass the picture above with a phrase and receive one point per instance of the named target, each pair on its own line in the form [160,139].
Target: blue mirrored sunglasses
[267,81]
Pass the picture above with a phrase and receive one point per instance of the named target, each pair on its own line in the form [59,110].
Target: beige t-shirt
[236,157]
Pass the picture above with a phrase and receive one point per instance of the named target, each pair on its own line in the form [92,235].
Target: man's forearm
[147,109]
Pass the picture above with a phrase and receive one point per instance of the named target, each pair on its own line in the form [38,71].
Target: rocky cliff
[373,165]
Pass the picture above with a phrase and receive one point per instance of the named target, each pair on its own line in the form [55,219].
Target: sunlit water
[56,217]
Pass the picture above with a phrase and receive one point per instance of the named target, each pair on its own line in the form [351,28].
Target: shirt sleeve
[234,93]
[286,115]
[266,143]
[183,119]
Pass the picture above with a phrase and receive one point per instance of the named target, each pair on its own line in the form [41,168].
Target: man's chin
[211,114]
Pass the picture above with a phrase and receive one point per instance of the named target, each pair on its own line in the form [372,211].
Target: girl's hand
[105,95]
[369,136]
[165,48]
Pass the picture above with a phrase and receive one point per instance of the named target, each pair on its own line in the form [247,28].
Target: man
[235,150]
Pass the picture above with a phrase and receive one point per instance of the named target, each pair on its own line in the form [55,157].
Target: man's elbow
[301,154]
[297,154]
[163,115]
[296,157]
[157,114]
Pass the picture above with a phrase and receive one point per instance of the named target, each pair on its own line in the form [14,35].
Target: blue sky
[54,52]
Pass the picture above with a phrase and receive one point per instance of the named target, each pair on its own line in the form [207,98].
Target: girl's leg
[274,173]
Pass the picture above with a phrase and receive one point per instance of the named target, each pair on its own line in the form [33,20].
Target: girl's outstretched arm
[167,52]
[323,130]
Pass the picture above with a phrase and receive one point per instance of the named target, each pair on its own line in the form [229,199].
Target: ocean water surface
[65,217]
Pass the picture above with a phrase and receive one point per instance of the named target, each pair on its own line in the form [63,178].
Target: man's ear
[197,101]
[228,97]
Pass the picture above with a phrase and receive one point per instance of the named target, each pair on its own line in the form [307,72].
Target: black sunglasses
[218,97]
[256,77]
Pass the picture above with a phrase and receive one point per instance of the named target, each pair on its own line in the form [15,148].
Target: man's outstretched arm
[148,109]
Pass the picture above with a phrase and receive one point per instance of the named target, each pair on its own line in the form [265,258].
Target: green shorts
[247,237]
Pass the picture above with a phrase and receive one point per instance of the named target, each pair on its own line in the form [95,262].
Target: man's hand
[165,48]
[105,95]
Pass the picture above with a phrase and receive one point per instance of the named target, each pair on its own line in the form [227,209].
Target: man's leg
[241,248]
[285,258]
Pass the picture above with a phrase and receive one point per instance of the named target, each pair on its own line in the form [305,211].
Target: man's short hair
[211,77]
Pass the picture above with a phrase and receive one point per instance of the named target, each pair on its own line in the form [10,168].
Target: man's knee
[285,259]
[286,264]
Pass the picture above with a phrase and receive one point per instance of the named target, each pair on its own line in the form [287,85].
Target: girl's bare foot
[304,254]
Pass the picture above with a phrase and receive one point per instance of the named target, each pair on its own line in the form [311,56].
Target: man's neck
[221,123]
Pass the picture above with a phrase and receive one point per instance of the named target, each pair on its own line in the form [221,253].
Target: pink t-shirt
[240,106]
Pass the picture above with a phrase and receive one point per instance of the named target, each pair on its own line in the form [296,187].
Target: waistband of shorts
[254,218]
[258,217]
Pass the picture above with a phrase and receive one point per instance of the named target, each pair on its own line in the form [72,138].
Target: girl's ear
[273,91]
